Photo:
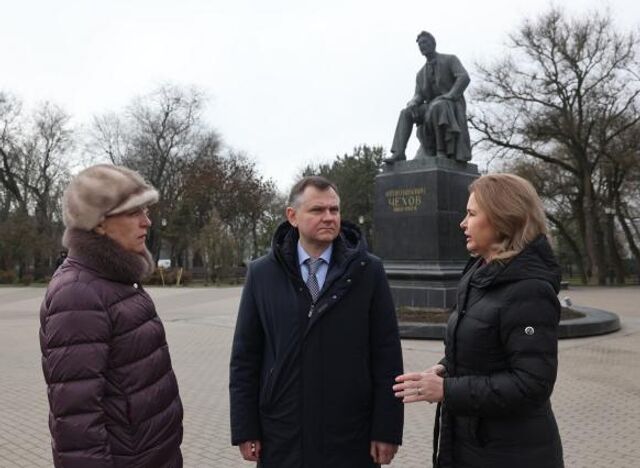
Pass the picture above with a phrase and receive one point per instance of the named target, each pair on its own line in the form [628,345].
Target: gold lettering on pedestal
[406,199]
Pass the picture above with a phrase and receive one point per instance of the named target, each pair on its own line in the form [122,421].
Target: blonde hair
[514,210]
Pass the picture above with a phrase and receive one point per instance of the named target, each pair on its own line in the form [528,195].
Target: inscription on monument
[406,199]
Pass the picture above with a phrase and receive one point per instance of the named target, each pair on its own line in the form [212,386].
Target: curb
[595,322]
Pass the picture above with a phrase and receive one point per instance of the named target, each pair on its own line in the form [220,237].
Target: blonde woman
[494,383]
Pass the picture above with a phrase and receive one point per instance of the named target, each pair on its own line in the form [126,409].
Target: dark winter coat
[316,390]
[113,396]
[501,353]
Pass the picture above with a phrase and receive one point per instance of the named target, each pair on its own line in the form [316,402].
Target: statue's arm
[461,79]
[417,98]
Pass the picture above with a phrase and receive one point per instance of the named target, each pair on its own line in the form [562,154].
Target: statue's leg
[401,137]
[438,126]
[441,149]
[426,135]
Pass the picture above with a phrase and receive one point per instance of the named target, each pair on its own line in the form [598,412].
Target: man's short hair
[319,182]
[426,35]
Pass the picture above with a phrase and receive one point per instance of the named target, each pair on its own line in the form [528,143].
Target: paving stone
[596,399]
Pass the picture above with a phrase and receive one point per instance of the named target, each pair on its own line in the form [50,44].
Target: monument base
[424,284]
[418,207]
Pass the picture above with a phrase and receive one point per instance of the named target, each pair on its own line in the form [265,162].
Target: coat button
[348,280]
[363,263]
[529,331]
[334,297]
[135,285]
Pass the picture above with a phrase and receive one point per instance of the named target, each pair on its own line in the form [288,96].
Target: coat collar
[105,257]
[303,255]
[536,261]
[284,247]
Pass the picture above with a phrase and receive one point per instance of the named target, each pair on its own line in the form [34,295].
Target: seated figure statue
[438,108]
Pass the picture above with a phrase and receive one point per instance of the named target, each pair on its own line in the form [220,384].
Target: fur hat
[104,190]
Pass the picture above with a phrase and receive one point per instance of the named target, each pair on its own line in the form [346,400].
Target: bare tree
[204,193]
[11,123]
[559,196]
[34,150]
[108,137]
[564,95]
[159,136]
[622,190]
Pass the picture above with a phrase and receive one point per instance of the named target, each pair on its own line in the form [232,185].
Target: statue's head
[426,43]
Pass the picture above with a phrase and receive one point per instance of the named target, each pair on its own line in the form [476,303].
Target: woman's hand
[421,386]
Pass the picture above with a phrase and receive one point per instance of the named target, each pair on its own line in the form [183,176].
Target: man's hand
[250,450]
[382,453]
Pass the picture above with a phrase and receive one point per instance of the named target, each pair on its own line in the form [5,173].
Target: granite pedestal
[418,208]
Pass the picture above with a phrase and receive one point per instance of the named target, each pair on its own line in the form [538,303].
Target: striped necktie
[313,264]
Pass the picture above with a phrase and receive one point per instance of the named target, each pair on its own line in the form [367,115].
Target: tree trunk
[578,256]
[616,267]
[585,259]
[593,233]
[254,233]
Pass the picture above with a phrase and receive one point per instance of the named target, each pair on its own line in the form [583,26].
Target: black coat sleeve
[75,352]
[532,358]
[246,362]
[386,363]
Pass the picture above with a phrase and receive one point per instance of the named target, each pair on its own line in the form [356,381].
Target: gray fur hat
[104,190]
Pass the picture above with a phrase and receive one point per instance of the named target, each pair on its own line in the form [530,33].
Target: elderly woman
[113,396]
[494,383]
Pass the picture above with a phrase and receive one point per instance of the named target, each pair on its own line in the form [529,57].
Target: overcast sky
[289,81]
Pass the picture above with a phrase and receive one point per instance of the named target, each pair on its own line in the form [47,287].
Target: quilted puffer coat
[501,357]
[113,396]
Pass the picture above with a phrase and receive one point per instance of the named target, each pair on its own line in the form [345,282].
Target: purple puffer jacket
[113,396]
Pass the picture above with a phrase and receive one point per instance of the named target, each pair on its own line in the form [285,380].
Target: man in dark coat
[438,108]
[316,346]
[61,258]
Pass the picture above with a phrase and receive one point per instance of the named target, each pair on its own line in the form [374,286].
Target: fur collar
[106,257]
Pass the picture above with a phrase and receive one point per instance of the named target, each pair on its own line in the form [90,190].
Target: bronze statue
[438,108]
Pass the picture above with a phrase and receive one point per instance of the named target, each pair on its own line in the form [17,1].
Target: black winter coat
[113,396]
[316,390]
[501,352]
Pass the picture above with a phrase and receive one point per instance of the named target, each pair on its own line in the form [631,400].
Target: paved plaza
[596,400]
